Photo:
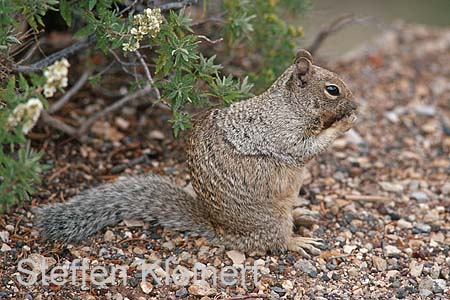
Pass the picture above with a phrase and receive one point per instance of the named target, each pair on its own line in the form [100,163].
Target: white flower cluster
[25,113]
[56,77]
[147,23]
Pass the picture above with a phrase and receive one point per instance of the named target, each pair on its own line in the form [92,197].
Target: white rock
[138,250]
[237,257]
[425,110]
[403,224]
[201,288]
[415,269]
[392,117]
[261,262]
[160,272]
[4,235]
[392,274]
[391,186]
[390,251]
[435,271]
[287,285]
[353,137]
[9,227]
[419,196]
[156,135]
[45,262]
[353,271]
[109,236]
[379,263]
[122,123]
[146,287]
[169,245]
[437,237]
[349,248]
[432,217]
[5,248]
[446,188]
[133,223]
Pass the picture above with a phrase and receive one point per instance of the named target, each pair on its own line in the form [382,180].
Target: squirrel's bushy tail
[150,198]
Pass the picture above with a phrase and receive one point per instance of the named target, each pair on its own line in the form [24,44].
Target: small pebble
[379,263]
[419,196]
[109,236]
[349,248]
[201,288]
[403,224]
[391,251]
[169,245]
[5,248]
[415,269]
[422,228]
[146,287]
[238,258]
[307,267]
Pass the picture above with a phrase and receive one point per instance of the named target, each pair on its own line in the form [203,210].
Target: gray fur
[150,198]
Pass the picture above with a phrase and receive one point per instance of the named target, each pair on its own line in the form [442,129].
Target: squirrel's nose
[353,105]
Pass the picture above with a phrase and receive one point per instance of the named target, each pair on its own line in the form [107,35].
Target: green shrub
[174,62]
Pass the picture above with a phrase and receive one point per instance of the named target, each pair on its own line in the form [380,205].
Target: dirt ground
[382,192]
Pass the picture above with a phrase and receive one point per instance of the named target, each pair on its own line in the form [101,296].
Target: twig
[209,40]
[147,74]
[138,160]
[29,53]
[128,8]
[335,26]
[60,125]
[80,45]
[368,198]
[249,296]
[122,63]
[87,125]
[73,90]
[215,19]
[177,5]
[119,60]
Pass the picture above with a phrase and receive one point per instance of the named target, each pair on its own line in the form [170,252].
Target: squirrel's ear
[302,69]
[304,53]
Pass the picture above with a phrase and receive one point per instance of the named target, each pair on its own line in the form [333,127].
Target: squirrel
[246,163]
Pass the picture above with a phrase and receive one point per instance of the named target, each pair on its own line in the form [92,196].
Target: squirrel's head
[319,93]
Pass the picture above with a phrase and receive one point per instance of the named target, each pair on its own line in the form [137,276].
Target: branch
[215,19]
[73,90]
[148,75]
[80,45]
[335,26]
[177,5]
[55,123]
[209,40]
[87,125]
[249,296]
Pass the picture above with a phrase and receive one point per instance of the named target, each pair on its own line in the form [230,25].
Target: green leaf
[12,40]
[95,79]
[65,12]
[92,4]
[84,31]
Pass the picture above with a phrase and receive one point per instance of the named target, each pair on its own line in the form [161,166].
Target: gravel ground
[382,193]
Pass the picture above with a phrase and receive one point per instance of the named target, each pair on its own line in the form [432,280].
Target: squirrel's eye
[332,90]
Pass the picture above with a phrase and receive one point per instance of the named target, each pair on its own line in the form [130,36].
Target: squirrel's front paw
[300,244]
[346,123]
